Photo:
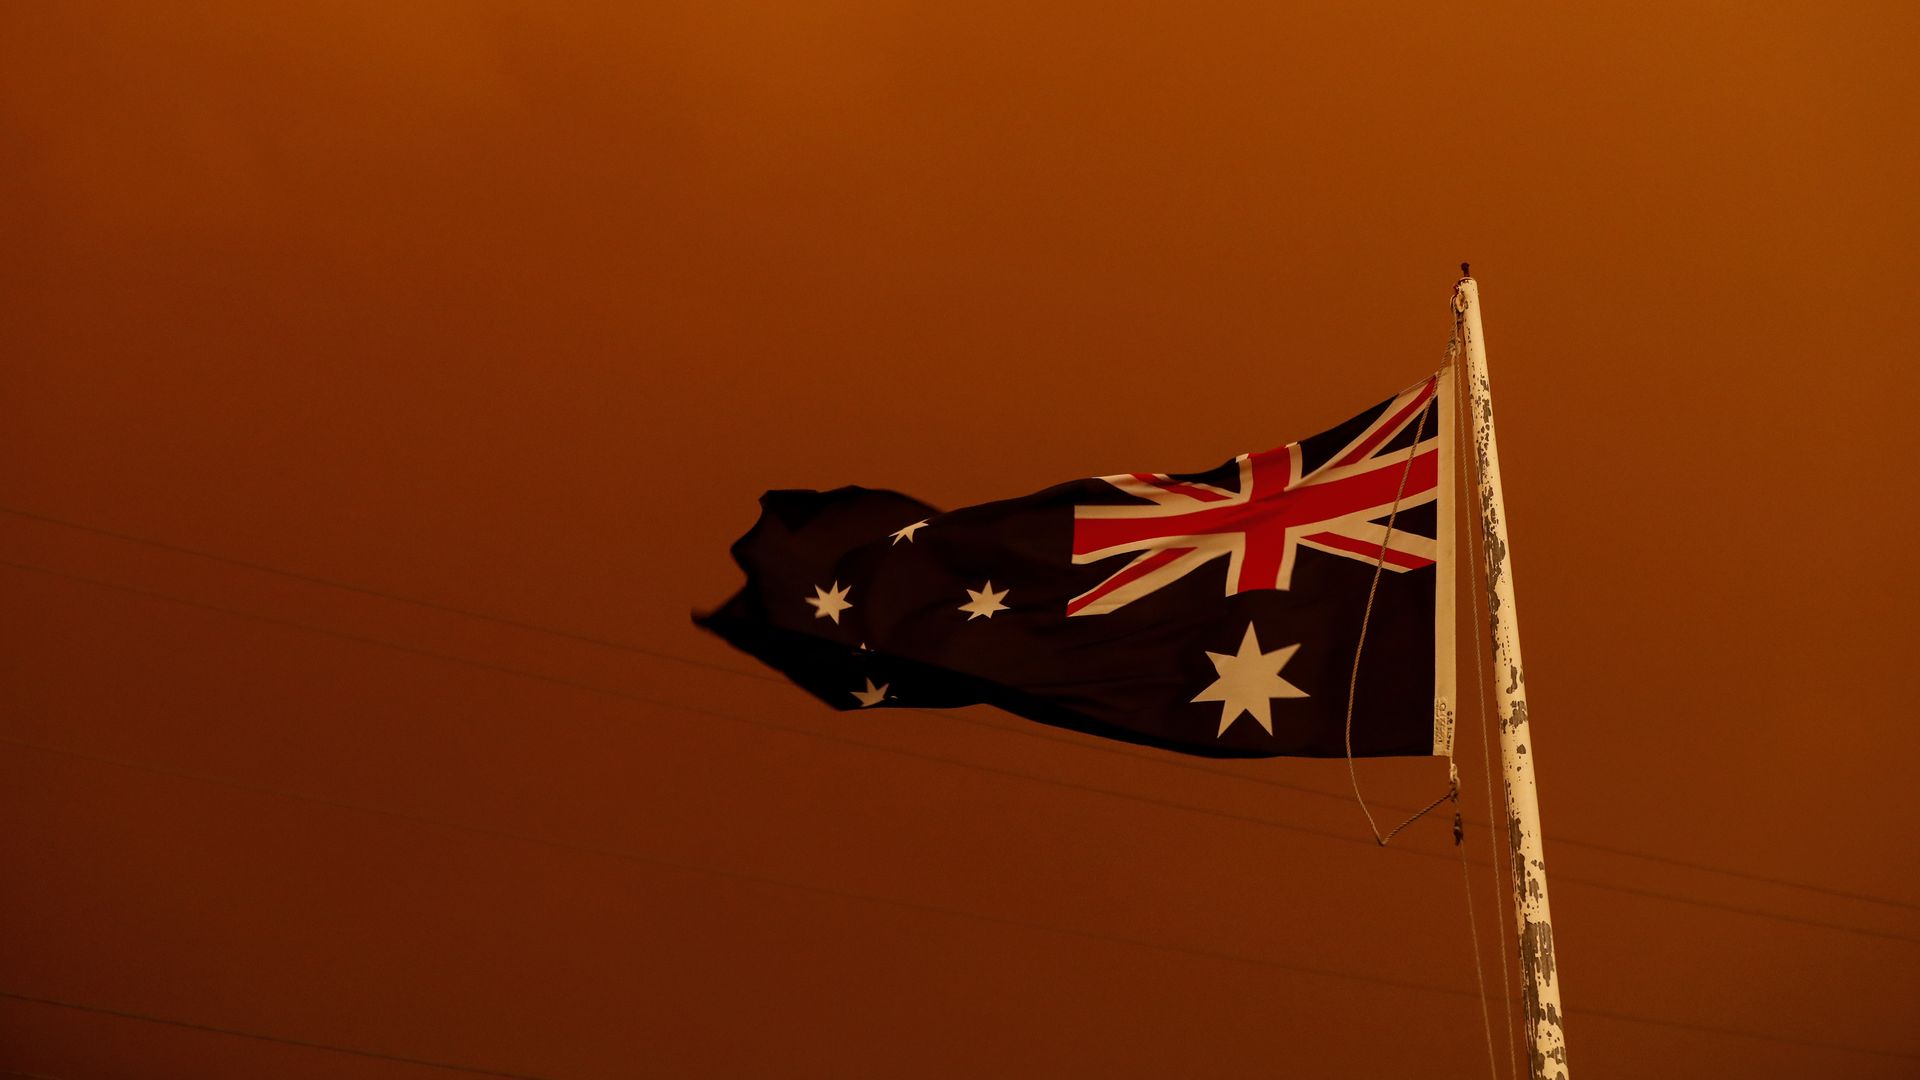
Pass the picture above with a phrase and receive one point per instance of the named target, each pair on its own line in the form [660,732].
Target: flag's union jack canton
[1276,507]
[1212,613]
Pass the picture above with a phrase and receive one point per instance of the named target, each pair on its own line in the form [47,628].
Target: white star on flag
[872,695]
[829,603]
[1248,682]
[984,602]
[907,533]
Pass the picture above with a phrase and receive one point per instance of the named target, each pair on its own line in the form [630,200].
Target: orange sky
[515,311]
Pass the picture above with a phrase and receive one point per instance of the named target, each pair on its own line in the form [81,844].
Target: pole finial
[1466,270]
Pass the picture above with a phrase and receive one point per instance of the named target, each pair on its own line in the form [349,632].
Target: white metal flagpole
[1540,981]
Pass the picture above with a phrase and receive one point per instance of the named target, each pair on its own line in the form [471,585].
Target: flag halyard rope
[1366,617]
[1453,775]
[1473,933]
[1480,709]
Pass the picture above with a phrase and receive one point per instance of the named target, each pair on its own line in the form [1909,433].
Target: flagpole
[1547,1049]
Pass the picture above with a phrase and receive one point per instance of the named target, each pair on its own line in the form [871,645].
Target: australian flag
[1214,613]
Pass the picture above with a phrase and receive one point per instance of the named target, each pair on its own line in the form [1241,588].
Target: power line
[940,759]
[1738,1033]
[911,905]
[658,862]
[335,1048]
[698,710]
[398,598]
[1025,732]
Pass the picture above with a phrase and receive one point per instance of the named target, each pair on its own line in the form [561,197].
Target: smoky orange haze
[384,384]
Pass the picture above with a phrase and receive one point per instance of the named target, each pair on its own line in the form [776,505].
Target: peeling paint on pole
[1547,1046]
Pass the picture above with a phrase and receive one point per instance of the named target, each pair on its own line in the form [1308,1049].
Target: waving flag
[1213,613]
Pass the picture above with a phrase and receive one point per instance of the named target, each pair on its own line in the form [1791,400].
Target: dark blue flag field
[1213,613]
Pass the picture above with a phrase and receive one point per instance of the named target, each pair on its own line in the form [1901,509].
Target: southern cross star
[907,533]
[829,603]
[1248,682]
[872,695]
[984,602]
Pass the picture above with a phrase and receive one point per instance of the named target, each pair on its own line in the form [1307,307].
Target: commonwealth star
[1248,682]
